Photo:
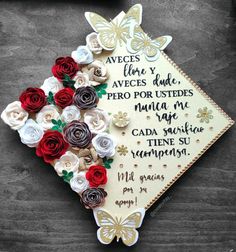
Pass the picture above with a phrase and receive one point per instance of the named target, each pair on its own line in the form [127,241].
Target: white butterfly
[124,229]
[141,42]
[110,33]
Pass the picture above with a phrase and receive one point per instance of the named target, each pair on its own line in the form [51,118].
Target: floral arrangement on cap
[61,120]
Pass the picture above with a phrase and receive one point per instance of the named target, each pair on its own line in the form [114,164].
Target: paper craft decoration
[119,121]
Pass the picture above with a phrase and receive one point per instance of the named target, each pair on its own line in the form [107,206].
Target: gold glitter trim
[231,122]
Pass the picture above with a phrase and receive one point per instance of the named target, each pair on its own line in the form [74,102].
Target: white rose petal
[97,72]
[31,133]
[14,115]
[97,119]
[45,115]
[104,145]
[82,55]
[81,79]
[93,43]
[51,84]
[70,113]
[68,162]
[79,183]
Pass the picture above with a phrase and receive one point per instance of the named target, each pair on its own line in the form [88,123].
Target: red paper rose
[33,99]
[96,175]
[64,97]
[51,146]
[65,66]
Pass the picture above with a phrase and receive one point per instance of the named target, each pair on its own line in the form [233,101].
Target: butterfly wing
[106,35]
[162,42]
[129,234]
[106,222]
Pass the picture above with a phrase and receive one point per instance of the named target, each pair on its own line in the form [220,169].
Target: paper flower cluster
[61,120]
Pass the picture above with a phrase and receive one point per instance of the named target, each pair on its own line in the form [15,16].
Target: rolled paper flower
[96,175]
[82,55]
[45,115]
[33,99]
[93,197]
[68,162]
[88,157]
[77,134]
[104,145]
[64,97]
[14,115]
[93,44]
[81,79]
[97,119]
[86,97]
[52,146]
[79,183]
[65,66]
[31,133]
[98,73]
[70,114]
[51,84]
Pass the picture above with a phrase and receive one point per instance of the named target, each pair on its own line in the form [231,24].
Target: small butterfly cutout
[116,227]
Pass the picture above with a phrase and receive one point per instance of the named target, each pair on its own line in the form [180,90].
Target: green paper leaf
[67,176]
[68,82]
[54,121]
[101,89]
[55,128]
[50,98]
[107,162]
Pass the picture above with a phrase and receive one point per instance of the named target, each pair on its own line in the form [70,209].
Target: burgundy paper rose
[93,197]
[77,134]
[65,66]
[85,97]
[64,97]
[33,99]
[52,146]
[96,175]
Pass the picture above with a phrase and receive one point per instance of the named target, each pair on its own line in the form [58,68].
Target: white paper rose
[104,145]
[82,55]
[31,133]
[93,44]
[70,114]
[97,119]
[97,72]
[81,79]
[51,84]
[79,183]
[68,162]
[14,115]
[45,115]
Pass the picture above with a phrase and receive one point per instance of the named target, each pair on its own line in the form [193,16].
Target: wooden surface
[38,211]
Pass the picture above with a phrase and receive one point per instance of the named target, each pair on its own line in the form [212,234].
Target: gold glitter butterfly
[118,30]
[116,227]
[141,42]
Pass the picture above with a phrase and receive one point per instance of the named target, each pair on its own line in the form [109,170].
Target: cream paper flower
[51,84]
[82,55]
[68,162]
[97,119]
[93,44]
[45,115]
[98,73]
[104,145]
[70,113]
[81,79]
[31,133]
[79,183]
[14,115]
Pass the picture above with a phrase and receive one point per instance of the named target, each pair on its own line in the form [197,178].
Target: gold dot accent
[150,166]
[121,165]
[135,165]
[179,166]
[138,142]
[186,115]
[122,133]
[197,141]
[164,165]
[211,128]
[148,117]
